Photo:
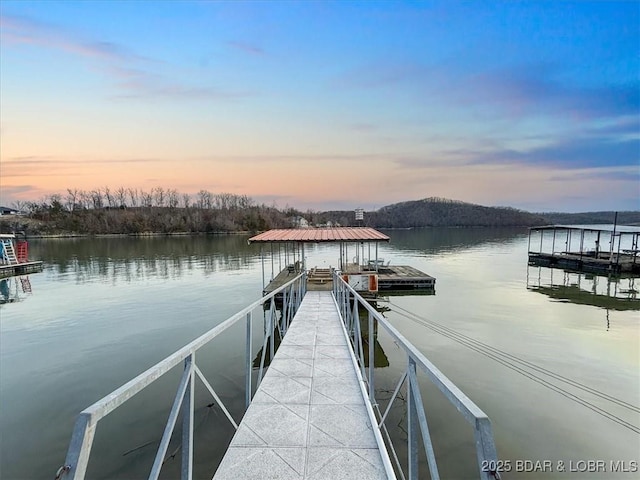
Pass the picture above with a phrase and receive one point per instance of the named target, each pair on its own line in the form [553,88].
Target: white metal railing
[77,459]
[350,302]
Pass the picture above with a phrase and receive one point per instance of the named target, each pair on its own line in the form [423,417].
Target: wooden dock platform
[15,269]
[397,278]
[403,277]
[309,418]
[603,263]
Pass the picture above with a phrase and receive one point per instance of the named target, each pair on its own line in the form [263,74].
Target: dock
[358,264]
[16,269]
[14,257]
[602,251]
[396,279]
[314,415]
[400,277]
[309,418]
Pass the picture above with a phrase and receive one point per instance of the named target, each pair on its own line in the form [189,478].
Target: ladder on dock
[9,256]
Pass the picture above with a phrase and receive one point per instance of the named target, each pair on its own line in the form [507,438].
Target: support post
[371,360]
[248,355]
[187,422]
[412,427]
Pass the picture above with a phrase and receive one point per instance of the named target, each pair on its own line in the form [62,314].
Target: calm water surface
[104,310]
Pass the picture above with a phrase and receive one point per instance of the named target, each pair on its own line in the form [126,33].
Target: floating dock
[309,418]
[14,255]
[399,277]
[20,269]
[603,251]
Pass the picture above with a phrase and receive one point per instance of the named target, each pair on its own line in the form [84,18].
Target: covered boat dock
[586,249]
[359,260]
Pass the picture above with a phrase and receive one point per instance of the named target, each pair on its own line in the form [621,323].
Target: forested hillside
[440,212]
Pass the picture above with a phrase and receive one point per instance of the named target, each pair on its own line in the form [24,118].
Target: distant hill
[439,212]
[592,218]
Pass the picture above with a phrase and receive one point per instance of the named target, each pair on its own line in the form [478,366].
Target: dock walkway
[308,418]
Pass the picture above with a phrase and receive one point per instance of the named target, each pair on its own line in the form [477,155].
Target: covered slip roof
[313,235]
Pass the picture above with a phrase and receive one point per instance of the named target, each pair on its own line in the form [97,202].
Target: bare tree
[72,199]
[96,198]
[172,198]
[159,196]
[121,197]
[133,196]
[204,199]
[20,205]
[84,198]
[186,200]
[146,199]
[108,197]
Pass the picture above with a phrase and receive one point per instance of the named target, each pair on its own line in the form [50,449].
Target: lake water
[104,310]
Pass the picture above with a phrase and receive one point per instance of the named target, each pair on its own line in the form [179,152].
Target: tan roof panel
[336,234]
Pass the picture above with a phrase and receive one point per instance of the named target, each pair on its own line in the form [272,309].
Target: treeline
[133,211]
[160,210]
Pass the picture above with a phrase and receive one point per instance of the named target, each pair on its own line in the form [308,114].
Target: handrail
[81,442]
[349,303]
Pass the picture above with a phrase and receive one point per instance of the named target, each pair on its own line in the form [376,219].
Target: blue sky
[325,104]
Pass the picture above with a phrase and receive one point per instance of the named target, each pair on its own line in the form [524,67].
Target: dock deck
[14,269]
[403,277]
[396,278]
[308,418]
[604,263]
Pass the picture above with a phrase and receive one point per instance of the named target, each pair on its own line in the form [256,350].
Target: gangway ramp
[309,418]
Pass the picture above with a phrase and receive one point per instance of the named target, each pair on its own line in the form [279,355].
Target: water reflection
[615,293]
[446,239]
[14,289]
[128,259]
[605,292]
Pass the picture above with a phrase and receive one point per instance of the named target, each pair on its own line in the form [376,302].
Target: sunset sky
[325,105]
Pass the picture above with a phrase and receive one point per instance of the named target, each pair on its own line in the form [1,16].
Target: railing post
[354,318]
[272,329]
[485,448]
[412,425]
[285,310]
[372,398]
[187,421]
[416,398]
[77,459]
[248,353]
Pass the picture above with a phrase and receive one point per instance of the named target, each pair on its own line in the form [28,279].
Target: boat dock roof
[315,235]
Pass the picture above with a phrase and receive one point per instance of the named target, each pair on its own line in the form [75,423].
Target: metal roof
[336,234]
[593,228]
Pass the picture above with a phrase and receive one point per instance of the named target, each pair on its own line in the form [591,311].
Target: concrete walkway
[308,419]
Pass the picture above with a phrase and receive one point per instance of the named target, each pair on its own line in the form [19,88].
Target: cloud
[602,174]
[24,30]
[528,89]
[55,161]
[246,48]
[515,91]
[131,73]
[17,189]
[572,153]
